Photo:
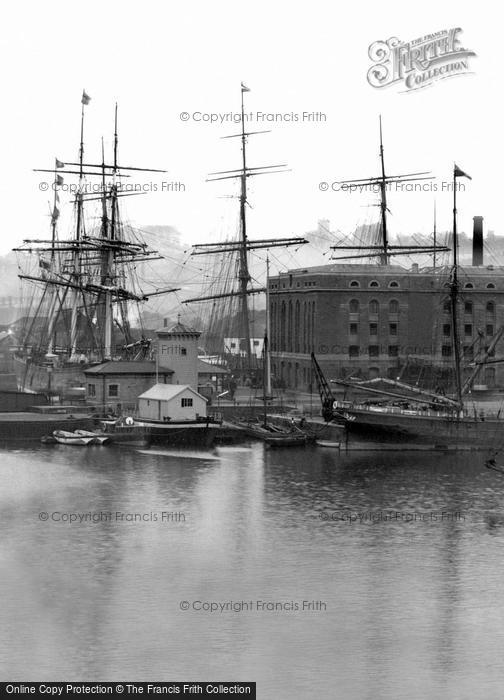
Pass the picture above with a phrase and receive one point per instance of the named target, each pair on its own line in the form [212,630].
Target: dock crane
[327,398]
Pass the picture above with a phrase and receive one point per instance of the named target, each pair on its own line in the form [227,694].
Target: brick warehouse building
[372,320]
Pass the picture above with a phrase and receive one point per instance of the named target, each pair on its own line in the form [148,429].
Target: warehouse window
[490,307]
[446,350]
[354,283]
[186,403]
[374,350]
[447,329]
[393,306]
[468,307]
[490,285]
[113,391]
[354,306]
[374,283]
[373,306]
[393,284]
[91,390]
[353,351]
[469,285]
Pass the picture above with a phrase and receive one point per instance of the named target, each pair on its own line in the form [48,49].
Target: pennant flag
[85,98]
[59,164]
[55,214]
[59,180]
[244,88]
[457,172]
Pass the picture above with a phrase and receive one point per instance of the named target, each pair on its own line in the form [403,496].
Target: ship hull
[435,430]
[181,434]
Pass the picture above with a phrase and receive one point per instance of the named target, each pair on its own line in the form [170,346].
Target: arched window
[374,283]
[354,283]
[354,306]
[393,284]
[490,307]
[393,306]
[374,306]
[490,285]
[469,285]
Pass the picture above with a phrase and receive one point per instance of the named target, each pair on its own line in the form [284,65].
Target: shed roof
[165,392]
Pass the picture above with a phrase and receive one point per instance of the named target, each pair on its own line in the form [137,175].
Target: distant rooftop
[376,270]
[178,327]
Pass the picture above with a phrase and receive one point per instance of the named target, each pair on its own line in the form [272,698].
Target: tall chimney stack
[477,255]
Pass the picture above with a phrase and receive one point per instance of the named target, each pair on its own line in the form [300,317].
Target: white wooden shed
[173,401]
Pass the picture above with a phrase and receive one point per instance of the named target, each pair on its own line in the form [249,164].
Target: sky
[158,60]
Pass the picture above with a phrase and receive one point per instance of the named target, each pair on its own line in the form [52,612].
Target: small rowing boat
[64,437]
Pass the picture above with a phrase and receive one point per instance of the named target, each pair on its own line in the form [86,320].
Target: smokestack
[165,324]
[477,256]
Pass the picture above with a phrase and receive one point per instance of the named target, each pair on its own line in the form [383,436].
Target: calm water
[414,608]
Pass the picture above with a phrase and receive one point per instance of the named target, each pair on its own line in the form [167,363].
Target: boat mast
[110,255]
[434,233]
[454,295]
[102,302]
[243,245]
[267,356]
[383,203]
[244,275]
[384,250]
[53,290]
[76,257]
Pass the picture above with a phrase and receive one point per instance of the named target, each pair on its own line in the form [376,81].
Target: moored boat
[272,435]
[63,437]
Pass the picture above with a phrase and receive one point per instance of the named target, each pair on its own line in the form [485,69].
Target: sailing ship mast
[460,389]
[244,244]
[454,291]
[384,258]
[434,238]
[94,270]
[384,250]
[77,254]
[454,295]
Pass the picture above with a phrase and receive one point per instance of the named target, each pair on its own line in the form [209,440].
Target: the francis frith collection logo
[420,62]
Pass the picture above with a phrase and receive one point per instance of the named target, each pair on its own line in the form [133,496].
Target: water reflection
[413,603]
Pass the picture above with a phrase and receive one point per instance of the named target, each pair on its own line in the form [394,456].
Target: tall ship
[226,303]
[443,416]
[82,292]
